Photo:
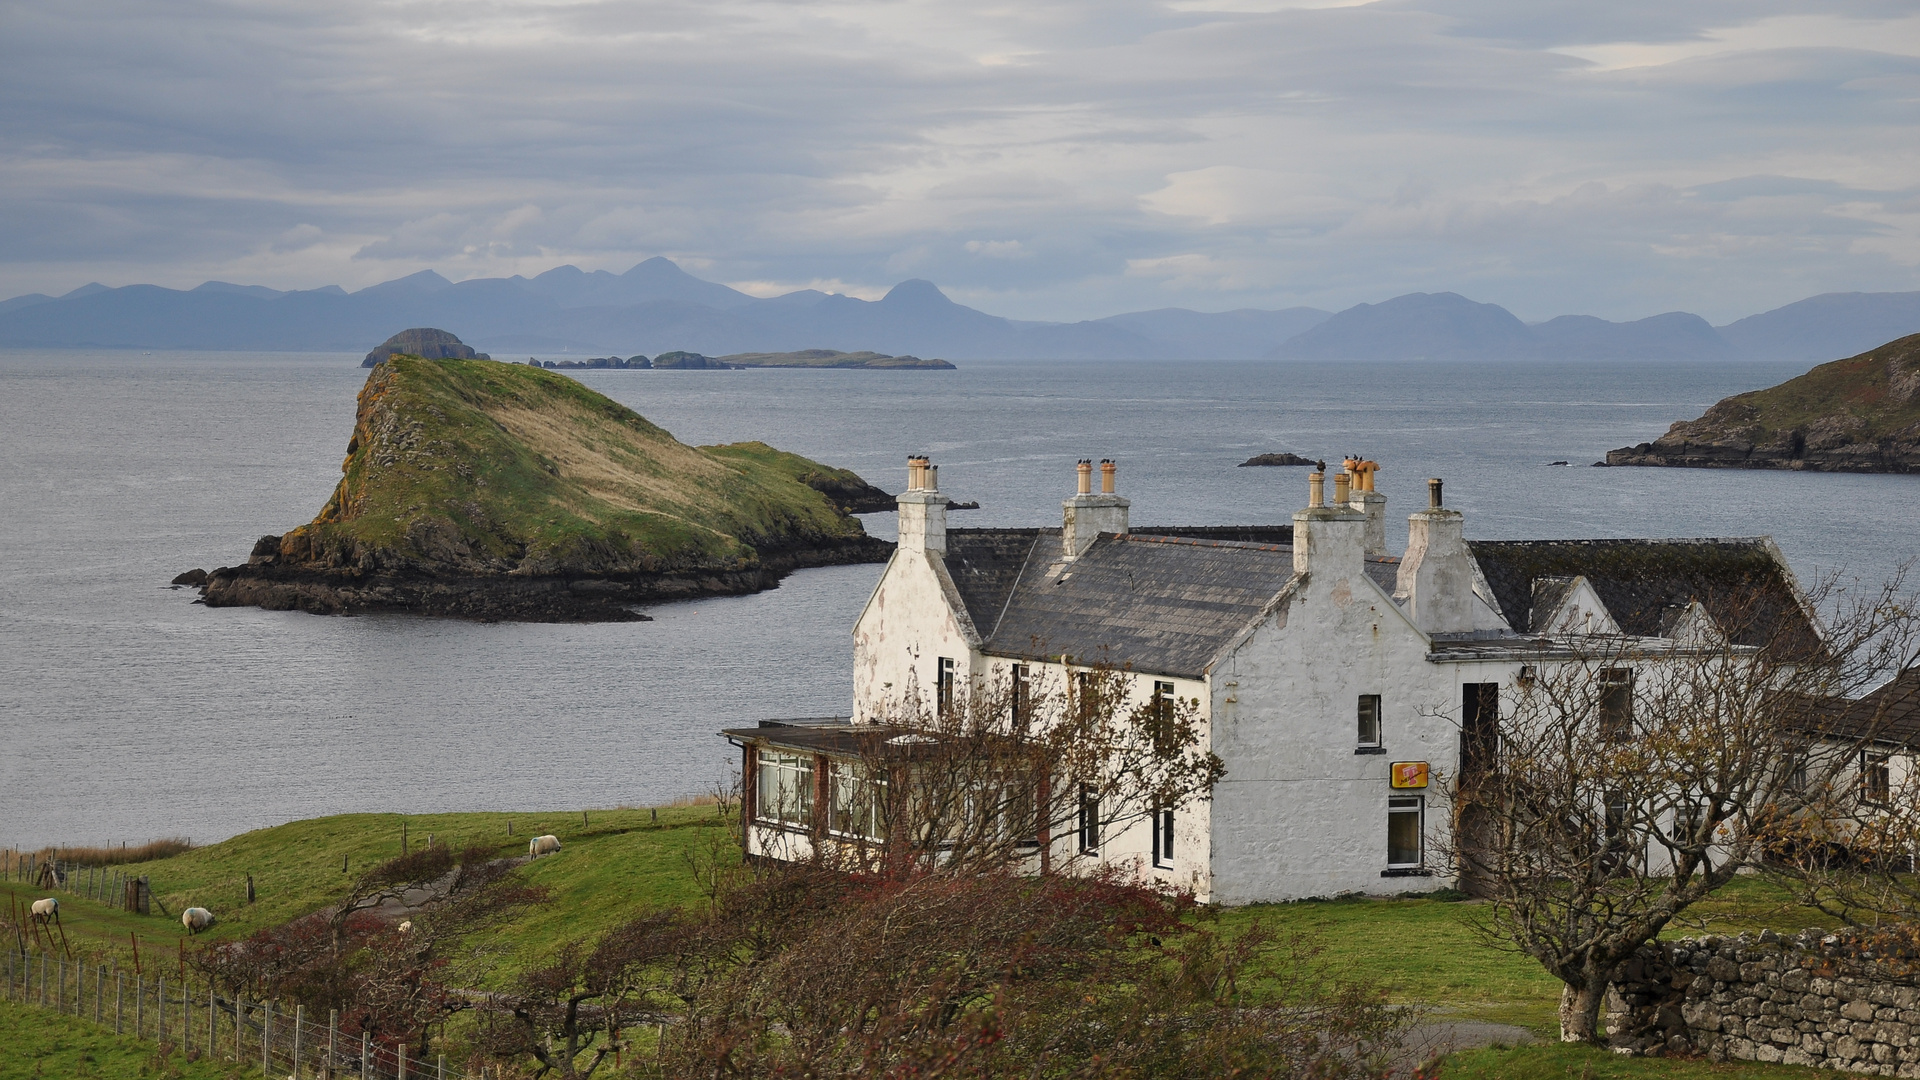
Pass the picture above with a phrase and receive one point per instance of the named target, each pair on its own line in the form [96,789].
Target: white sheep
[543,845]
[405,927]
[196,919]
[47,910]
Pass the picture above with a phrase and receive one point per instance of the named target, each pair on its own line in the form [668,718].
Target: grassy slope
[1420,950]
[35,1043]
[618,860]
[491,467]
[1863,386]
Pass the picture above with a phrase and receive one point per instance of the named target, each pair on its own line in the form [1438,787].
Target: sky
[1047,159]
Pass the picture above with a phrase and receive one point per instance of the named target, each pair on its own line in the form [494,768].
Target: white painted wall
[1299,813]
[912,619]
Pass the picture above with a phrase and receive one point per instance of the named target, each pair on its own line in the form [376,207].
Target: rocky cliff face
[1861,414]
[504,491]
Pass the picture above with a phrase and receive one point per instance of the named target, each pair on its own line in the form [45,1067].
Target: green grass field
[40,1045]
[1419,950]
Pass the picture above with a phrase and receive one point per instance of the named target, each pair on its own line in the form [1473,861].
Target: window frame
[846,783]
[1089,821]
[1614,705]
[1368,713]
[1020,691]
[1163,824]
[768,760]
[1414,806]
[1876,778]
[944,669]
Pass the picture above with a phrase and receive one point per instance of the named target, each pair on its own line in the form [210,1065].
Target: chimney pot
[1342,484]
[1317,489]
[1107,469]
[1086,476]
[1433,494]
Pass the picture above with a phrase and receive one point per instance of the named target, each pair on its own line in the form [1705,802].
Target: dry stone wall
[1836,1001]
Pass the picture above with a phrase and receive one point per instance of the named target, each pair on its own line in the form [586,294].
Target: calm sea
[128,712]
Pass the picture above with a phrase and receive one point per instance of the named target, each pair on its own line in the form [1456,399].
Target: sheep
[196,919]
[542,845]
[46,910]
[405,927]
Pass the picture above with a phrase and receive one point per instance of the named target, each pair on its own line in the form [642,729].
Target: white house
[1335,681]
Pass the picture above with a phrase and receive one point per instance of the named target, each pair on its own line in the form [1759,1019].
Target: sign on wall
[1409,774]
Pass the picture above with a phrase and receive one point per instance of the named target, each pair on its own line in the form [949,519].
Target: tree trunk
[1580,1013]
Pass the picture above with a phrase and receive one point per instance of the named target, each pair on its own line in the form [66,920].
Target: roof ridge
[1197,541]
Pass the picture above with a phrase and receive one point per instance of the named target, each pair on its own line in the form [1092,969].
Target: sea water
[127,711]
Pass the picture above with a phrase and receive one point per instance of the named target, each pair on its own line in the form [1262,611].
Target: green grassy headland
[492,468]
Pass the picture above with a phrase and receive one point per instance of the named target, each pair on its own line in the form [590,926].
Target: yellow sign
[1409,774]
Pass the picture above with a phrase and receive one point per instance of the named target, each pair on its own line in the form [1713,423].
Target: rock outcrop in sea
[504,491]
[423,341]
[1861,414]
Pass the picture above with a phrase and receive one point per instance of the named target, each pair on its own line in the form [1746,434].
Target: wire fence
[108,885]
[194,1020]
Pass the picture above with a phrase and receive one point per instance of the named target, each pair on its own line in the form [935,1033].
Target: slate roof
[1161,604]
[1891,714]
[1740,582]
[985,563]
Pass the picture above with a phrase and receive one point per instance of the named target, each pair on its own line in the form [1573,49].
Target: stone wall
[1838,1001]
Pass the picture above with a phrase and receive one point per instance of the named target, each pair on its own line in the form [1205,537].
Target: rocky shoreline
[1858,415]
[268,581]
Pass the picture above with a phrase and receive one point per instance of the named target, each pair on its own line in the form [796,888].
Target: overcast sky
[1038,159]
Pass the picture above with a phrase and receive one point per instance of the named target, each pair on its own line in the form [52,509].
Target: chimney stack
[1085,516]
[1363,498]
[923,510]
[1436,575]
[1327,539]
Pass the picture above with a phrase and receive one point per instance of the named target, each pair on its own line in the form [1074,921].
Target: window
[1369,737]
[1876,779]
[1616,703]
[1616,813]
[1479,726]
[943,689]
[1089,820]
[1406,830]
[856,803]
[1163,836]
[1688,815]
[785,789]
[1163,702]
[1022,693]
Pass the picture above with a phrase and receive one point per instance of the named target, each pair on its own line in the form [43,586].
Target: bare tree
[1017,773]
[1635,776]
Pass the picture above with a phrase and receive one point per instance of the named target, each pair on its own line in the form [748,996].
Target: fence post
[139,1006]
[100,993]
[366,1051]
[160,1010]
[186,1017]
[238,1055]
[333,1038]
[400,1052]
[119,993]
[299,1037]
[59,984]
[213,1019]
[266,1040]
[443,1067]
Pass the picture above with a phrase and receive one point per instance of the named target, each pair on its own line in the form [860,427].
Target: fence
[197,1020]
[106,884]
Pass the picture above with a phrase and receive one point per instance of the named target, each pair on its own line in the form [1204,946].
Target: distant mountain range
[657,307]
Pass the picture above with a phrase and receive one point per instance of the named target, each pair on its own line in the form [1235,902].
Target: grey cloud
[1414,144]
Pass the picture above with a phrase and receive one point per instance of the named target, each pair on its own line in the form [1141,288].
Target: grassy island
[496,490]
